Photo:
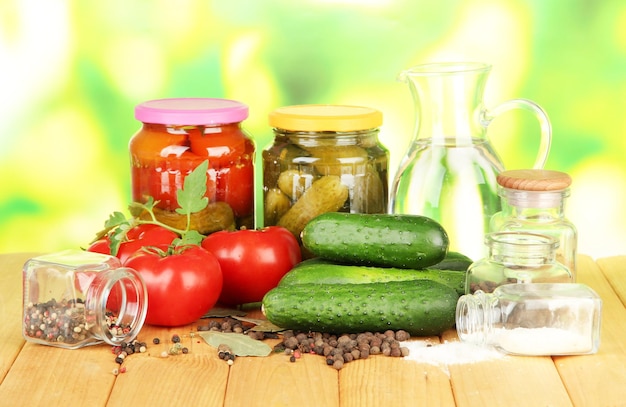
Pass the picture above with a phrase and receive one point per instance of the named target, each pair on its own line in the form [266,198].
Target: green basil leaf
[191,197]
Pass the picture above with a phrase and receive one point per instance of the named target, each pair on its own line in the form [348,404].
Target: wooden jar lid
[534,180]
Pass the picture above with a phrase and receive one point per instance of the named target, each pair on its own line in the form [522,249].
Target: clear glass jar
[77,298]
[532,319]
[325,158]
[534,201]
[175,137]
[516,257]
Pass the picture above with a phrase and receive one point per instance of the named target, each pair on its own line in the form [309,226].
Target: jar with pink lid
[176,136]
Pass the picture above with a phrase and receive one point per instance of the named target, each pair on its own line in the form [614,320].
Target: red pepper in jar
[179,134]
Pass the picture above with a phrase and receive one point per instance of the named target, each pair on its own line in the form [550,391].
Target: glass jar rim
[533,199]
[452,67]
[132,308]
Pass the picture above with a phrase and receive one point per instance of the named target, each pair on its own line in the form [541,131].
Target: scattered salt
[449,353]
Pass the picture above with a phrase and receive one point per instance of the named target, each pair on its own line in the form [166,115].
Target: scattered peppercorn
[229,324]
[225,353]
[176,349]
[175,338]
[123,350]
[156,341]
[341,349]
[66,321]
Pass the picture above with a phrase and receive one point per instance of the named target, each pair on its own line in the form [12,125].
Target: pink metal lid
[191,111]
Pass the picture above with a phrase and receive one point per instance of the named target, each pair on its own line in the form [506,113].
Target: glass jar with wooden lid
[533,200]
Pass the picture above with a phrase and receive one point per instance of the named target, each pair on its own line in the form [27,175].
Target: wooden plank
[514,381]
[196,378]
[275,381]
[614,269]
[183,380]
[43,375]
[11,308]
[598,380]
[389,381]
[507,381]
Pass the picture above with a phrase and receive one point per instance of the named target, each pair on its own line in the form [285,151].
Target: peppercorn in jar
[176,136]
[77,298]
[324,158]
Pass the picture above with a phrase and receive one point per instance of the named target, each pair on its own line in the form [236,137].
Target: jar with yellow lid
[176,136]
[533,201]
[325,158]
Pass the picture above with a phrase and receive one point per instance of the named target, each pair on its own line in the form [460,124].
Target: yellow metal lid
[340,118]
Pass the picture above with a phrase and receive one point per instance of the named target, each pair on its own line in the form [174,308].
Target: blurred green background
[71,73]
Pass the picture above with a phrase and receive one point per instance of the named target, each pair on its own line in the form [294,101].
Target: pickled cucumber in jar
[330,150]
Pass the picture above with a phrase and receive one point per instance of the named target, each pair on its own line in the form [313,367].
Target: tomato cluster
[183,283]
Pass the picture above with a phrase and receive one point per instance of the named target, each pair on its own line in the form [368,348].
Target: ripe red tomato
[222,147]
[181,286]
[235,186]
[100,246]
[136,238]
[252,261]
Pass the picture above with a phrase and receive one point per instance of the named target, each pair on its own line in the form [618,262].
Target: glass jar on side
[324,158]
[533,200]
[77,298]
[176,136]
[532,319]
[516,257]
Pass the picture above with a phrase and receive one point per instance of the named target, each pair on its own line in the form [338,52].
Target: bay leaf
[267,326]
[240,344]
[255,321]
[261,325]
[221,312]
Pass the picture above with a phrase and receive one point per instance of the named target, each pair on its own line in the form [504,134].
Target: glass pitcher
[449,171]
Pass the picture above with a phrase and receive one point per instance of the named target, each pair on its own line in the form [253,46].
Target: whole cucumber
[326,272]
[403,241]
[420,307]
[454,261]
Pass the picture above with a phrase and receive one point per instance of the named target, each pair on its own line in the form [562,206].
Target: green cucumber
[326,272]
[403,241]
[420,307]
[454,261]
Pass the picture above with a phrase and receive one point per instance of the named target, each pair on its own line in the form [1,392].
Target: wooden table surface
[39,375]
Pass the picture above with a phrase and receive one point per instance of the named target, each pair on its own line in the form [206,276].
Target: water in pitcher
[454,184]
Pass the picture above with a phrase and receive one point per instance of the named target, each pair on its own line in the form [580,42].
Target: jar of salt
[532,319]
[76,298]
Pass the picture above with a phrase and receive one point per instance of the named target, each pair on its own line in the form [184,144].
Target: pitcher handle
[539,113]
